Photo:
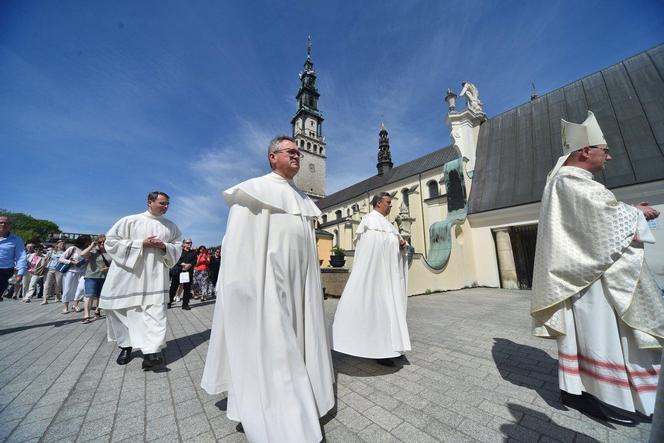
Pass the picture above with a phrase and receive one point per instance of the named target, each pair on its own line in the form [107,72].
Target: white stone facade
[308,136]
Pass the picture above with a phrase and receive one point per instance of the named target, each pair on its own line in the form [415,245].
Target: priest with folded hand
[370,320]
[143,248]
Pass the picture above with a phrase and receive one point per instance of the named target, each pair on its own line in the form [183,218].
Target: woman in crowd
[71,292]
[215,264]
[53,283]
[202,284]
[34,275]
[95,274]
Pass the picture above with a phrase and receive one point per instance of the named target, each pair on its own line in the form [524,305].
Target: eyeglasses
[290,152]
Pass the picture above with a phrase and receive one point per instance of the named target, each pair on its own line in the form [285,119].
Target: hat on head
[576,136]
[579,135]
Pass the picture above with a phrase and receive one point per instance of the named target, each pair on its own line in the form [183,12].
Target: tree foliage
[28,227]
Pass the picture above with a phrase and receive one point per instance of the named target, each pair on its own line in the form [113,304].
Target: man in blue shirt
[12,254]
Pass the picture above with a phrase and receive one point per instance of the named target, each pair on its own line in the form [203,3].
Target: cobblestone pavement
[475,374]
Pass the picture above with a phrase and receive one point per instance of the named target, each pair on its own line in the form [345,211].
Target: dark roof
[427,162]
[517,148]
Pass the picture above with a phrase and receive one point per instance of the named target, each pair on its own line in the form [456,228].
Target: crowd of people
[75,275]
[269,347]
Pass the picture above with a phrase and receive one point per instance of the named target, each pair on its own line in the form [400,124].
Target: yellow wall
[324,250]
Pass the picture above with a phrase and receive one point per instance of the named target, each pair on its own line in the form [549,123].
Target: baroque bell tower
[307,132]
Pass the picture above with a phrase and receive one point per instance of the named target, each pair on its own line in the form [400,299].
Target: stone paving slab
[475,374]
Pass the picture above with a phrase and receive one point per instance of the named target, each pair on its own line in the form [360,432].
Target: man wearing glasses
[592,289]
[268,344]
[143,248]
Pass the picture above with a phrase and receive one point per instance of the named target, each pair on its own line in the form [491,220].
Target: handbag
[184,277]
[64,267]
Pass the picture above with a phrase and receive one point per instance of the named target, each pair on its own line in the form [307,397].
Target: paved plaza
[475,374]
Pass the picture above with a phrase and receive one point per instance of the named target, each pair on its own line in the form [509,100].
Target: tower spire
[308,132]
[384,155]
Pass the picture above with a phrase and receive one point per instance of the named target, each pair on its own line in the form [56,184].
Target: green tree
[28,227]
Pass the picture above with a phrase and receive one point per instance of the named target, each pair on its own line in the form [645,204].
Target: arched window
[404,197]
[321,150]
[337,213]
[355,208]
[324,217]
[349,212]
[433,189]
[315,148]
[302,143]
[308,145]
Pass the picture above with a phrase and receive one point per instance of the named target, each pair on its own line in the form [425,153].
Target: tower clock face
[312,168]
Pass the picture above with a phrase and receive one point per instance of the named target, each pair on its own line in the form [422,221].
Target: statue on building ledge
[469,90]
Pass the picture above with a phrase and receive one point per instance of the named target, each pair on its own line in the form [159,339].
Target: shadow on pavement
[530,423]
[203,303]
[181,346]
[365,367]
[56,324]
[528,366]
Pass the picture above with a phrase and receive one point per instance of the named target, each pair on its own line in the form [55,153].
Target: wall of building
[324,246]
[472,260]
[527,214]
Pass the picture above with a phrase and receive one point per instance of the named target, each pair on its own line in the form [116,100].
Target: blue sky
[101,102]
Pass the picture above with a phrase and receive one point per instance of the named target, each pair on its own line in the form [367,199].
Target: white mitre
[576,136]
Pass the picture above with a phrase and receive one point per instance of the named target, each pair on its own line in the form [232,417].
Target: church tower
[384,155]
[307,132]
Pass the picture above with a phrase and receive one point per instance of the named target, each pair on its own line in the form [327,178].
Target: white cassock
[371,316]
[136,288]
[593,292]
[268,345]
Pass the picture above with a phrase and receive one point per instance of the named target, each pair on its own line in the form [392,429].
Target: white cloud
[199,208]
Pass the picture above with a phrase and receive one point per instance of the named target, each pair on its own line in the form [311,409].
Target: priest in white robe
[143,248]
[370,320]
[592,290]
[268,345]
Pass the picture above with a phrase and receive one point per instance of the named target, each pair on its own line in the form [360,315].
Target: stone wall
[334,280]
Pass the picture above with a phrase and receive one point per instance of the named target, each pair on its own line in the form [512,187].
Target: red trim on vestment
[652,372]
[623,383]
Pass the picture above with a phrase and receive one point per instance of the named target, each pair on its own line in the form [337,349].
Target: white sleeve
[124,251]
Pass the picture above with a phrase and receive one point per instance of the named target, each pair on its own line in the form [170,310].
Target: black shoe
[151,361]
[186,308]
[385,361]
[124,357]
[168,306]
[589,405]
[618,416]
[584,403]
